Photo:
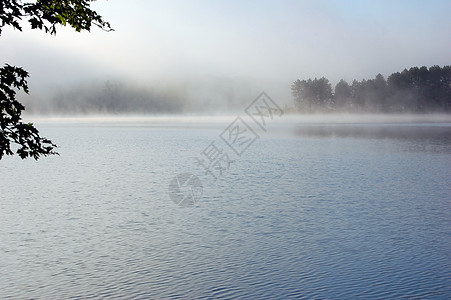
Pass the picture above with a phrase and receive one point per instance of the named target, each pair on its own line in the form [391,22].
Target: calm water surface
[330,211]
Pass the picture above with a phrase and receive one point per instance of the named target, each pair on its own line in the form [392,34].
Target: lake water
[325,210]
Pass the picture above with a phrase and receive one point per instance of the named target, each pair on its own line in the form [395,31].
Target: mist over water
[433,127]
[296,187]
[205,95]
[297,215]
[286,119]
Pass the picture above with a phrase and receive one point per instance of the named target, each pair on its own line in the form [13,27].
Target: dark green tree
[322,90]
[380,94]
[44,15]
[302,95]
[438,88]
[405,91]
[358,95]
[312,95]
[342,95]
[374,93]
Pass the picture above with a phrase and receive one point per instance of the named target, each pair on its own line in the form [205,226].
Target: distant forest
[126,97]
[110,97]
[417,90]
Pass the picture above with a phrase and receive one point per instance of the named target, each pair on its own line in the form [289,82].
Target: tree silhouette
[417,90]
[302,94]
[343,94]
[44,15]
[312,95]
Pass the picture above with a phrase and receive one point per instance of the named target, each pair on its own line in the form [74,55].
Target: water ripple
[300,217]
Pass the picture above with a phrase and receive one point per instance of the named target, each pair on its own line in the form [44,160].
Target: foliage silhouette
[43,15]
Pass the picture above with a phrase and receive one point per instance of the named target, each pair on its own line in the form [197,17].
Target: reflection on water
[309,215]
[430,136]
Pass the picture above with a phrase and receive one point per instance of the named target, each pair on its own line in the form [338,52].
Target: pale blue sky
[266,44]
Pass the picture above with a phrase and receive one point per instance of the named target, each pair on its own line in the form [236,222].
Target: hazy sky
[263,44]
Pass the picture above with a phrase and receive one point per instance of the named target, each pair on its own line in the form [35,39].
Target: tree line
[417,90]
[110,97]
